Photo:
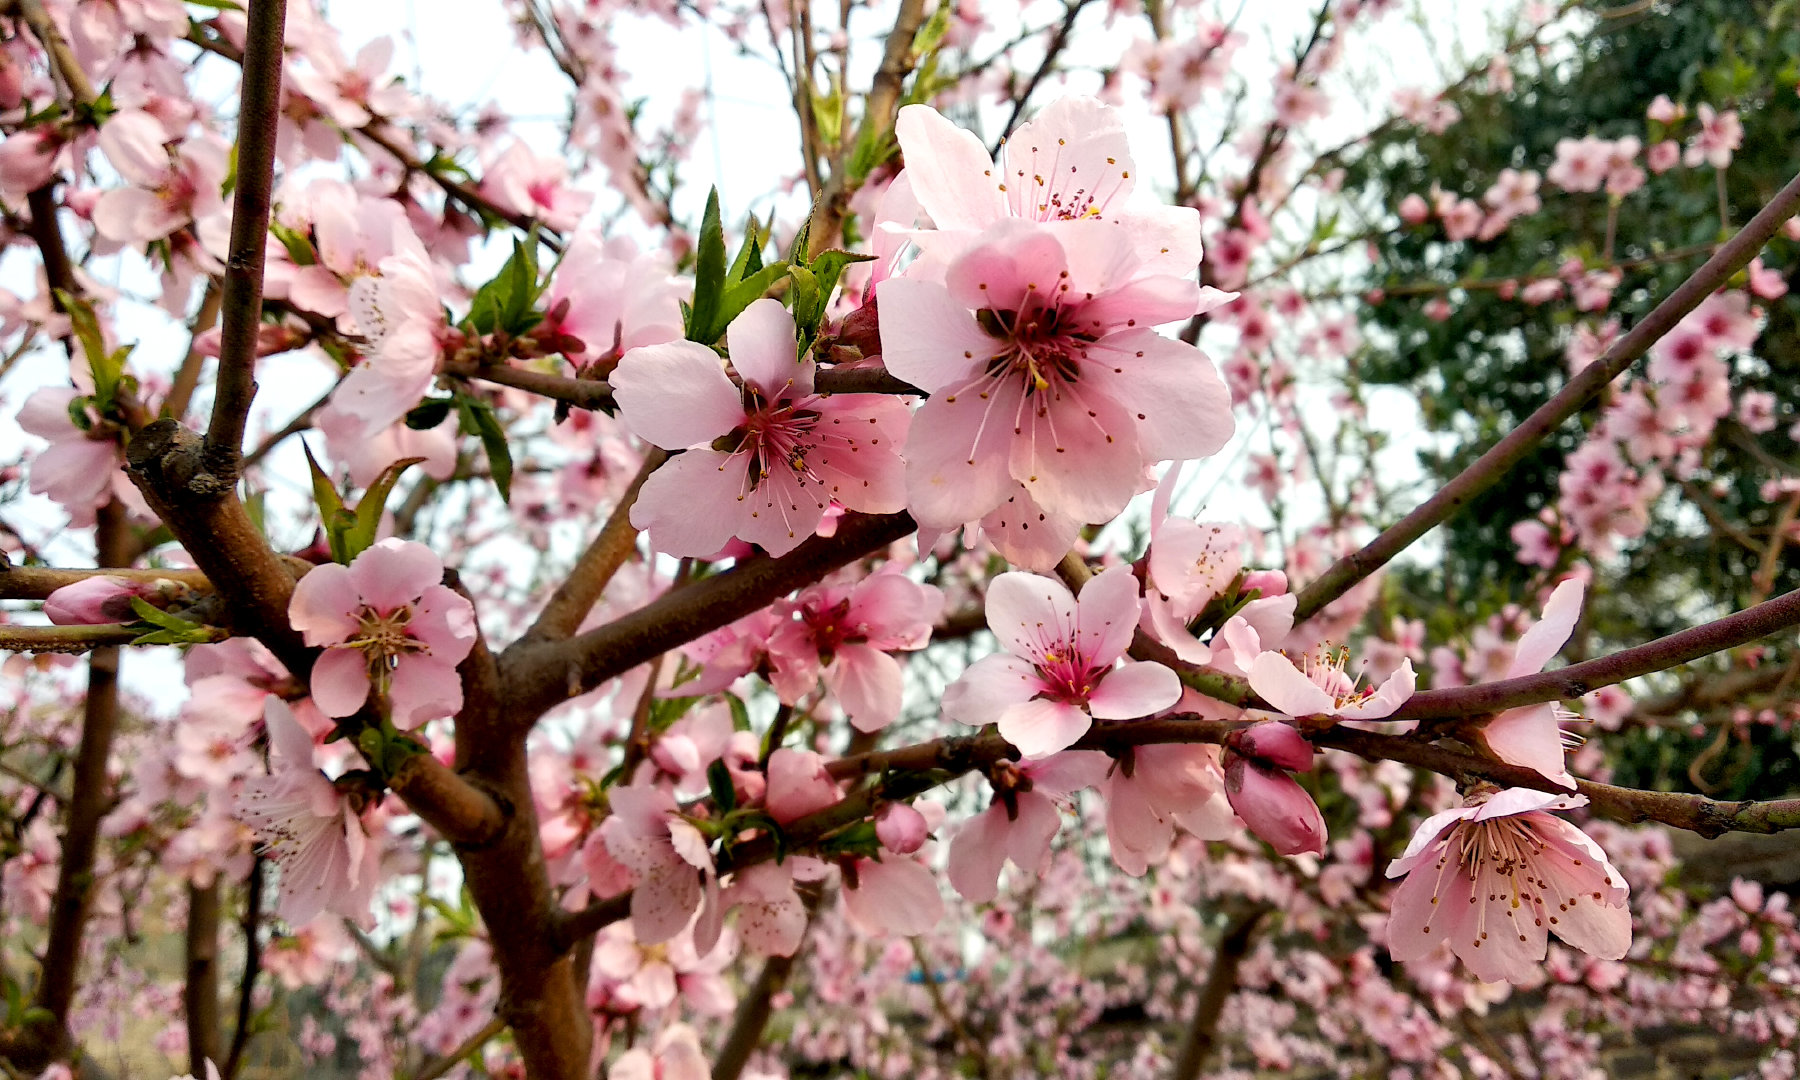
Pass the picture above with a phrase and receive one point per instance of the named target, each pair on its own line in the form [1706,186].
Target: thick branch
[1508,452]
[240,305]
[1570,683]
[1221,979]
[200,993]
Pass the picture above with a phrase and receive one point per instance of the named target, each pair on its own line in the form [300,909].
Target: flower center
[775,434]
[1068,676]
[1033,345]
[384,639]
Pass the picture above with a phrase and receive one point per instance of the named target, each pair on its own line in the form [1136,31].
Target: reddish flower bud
[1266,582]
[1275,807]
[1274,743]
[103,599]
[900,828]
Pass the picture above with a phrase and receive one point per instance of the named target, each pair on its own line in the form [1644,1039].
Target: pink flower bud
[96,600]
[1414,209]
[900,828]
[1275,743]
[798,785]
[1267,582]
[1275,807]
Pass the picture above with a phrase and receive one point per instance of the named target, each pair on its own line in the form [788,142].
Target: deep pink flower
[385,620]
[536,186]
[1531,735]
[1044,372]
[326,859]
[845,634]
[1057,674]
[1271,802]
[761,463]
[1492,878]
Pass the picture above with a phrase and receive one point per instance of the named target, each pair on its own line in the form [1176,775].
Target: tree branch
[200,991]
[240,304]
[38,582]
[1221,979]
[616,542]
[538,676]
[1499,460]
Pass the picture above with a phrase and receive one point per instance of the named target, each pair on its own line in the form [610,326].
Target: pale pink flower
[1163,787]
[674,1055]
[169,188]
[367,453]
[351,235]
[1057,674]
[1071,162]
[386,621]
[609,297]
[1664,111]
[1581,164]
[670,866]
[1531,736]
[353,93]
[1663,156]
[1719,136]
[1494,877]
[1414,209]
[400,314]
[536,187]
[798,785]
[1319,686]
[1020,827]
[326,859]
[80,470]
[791,452]
[1044,371]
[846,635]
[893,896]
[29,159]
[771,917]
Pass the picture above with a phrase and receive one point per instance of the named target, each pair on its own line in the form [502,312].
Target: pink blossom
[1663,156]
[667,858]
[80,469]
[399,312]
[386,621]
[353,93]
[1044,372]
[846,635]
[609,297]
[1274,806]
[29,159]
[1160,788]
[1071,162]
[1664,111]
[326,859]
[1581,164]
[1319,686]
[674,1055]
[169,189]
[798,785]
[1057,674]
[1020,826]
[367,453]
[1719,136]
[535,186]
[771,916]
[1492,878]
[790,452]
[894,896]
[1530,736]
[1414,209]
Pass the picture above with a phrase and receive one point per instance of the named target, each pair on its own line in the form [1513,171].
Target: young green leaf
[709,275]
[478,418]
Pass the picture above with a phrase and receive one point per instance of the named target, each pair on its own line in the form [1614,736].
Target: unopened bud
[1275,807]
[900,828]
[1274,743]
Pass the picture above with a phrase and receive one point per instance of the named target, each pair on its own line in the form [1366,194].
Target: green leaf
[107,366]
[478,418]
[299,248]
[858,839]
[825,272]
[506,304]
[740,713]
[718,777]
[430,414]
[749,256]
[330,503]
[709,276]
[743,294]
[171,629]
[360,535]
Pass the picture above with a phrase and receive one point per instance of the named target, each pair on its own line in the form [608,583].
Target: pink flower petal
[958,454]
[1030,613]
[927,337]
[423,688]
[950,170]
[867,683]
[1042,727]
[1181,406]
[1548,635]
[340,681]
[1134,690]
[1106,617]
[324,605]
[1278,682]
[445,621]
[989,687]
[676,395]
[763,350]
[394,573]
[665,505]
[1530,737]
